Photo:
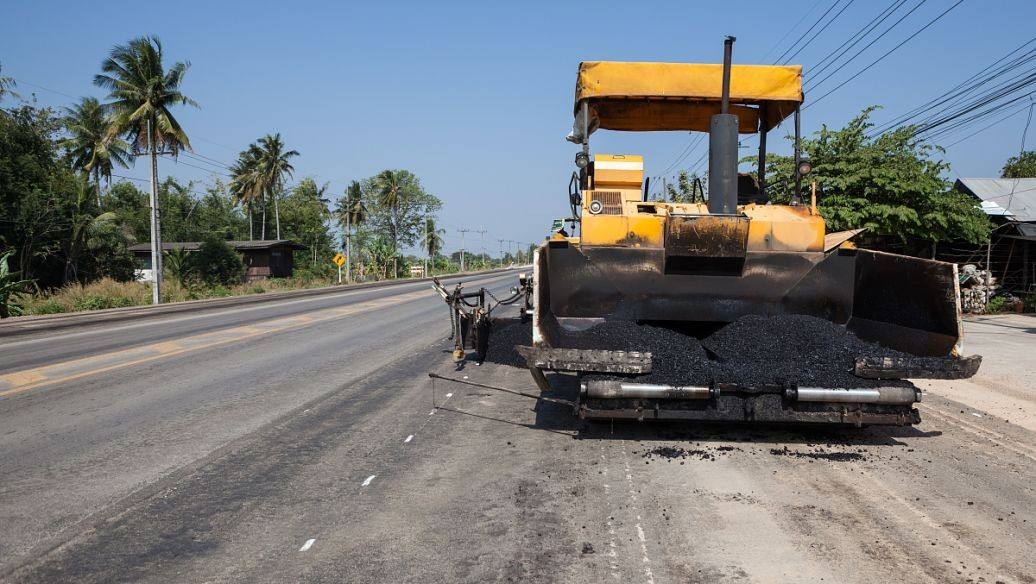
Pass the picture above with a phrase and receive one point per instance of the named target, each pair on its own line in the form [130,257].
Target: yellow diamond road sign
[339,259]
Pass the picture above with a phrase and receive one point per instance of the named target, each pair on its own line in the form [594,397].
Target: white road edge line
[307,545]
[368,481]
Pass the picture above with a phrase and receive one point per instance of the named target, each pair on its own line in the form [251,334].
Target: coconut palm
[351,214]
[244,183]
[273,163]
[93,151]
[431,241]
[142,92]
[390,184]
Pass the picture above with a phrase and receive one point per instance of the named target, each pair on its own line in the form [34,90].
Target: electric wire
[790,30]
[814,83]
[852,41]
[966,86]
[819,32]
[984,128]
[886,54]
[780,59]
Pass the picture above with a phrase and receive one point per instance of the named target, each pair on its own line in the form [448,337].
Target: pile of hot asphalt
[753,350]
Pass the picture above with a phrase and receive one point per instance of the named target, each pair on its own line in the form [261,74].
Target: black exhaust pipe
[723,147]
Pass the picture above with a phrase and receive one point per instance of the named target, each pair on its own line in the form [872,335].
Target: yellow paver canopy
[643,97]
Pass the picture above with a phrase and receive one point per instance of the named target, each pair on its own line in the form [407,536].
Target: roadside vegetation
[70,212]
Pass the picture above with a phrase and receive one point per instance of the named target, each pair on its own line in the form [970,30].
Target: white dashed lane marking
[307,545]
[368,481]
[408,439]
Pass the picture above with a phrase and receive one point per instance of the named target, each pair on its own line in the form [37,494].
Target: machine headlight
[582,160]
[805,167]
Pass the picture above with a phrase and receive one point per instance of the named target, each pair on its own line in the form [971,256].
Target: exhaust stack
[723,147]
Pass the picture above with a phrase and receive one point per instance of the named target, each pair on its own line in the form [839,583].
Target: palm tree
[244,183]
[321,204]
[142,92]
[431,241]
[390,195]
[272,165]
[92,149]
[352,213]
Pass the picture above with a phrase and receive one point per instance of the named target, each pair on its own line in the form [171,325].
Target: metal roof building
[1013,199]
[263,258]
[1011,204]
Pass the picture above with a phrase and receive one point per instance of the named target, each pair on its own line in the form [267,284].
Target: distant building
[267,258]
[1011,204]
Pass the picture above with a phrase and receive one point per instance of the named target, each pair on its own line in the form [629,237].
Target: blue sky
[476,97]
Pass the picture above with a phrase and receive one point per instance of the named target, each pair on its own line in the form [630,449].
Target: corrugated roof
[238,245]
[1014,198]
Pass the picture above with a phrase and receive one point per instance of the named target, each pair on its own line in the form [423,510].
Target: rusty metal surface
[759,409]
[706,236]
[917,368]
[591,360]
[856,418]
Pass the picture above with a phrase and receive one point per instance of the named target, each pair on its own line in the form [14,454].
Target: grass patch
[108,293]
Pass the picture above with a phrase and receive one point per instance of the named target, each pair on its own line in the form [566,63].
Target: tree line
[893,184]
[69,216]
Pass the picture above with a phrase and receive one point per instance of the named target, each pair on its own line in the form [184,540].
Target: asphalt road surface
[302,441]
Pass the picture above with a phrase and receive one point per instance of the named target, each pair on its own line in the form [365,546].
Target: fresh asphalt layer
[322,452]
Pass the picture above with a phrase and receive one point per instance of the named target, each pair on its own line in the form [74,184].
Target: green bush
[216,263]
[48,307]
[1030,303]
[11,288]
[306,272]
[102,302]
[996,305]
[219,291]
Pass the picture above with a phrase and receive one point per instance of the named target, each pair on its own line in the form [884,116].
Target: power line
[692,144]
[852,41]
[984,128]
[790,30]
[206,159]
[819,32]
[24,82]
[808,30]
[964,121]
[864,49]
[990,72]
[1005,88]
[176,160]
[887,53]
[1025,132]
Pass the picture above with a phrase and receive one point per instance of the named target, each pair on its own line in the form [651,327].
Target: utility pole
[501,242]
[348,246]
[156,230]
[462,232]
[426,248]
[482,233]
